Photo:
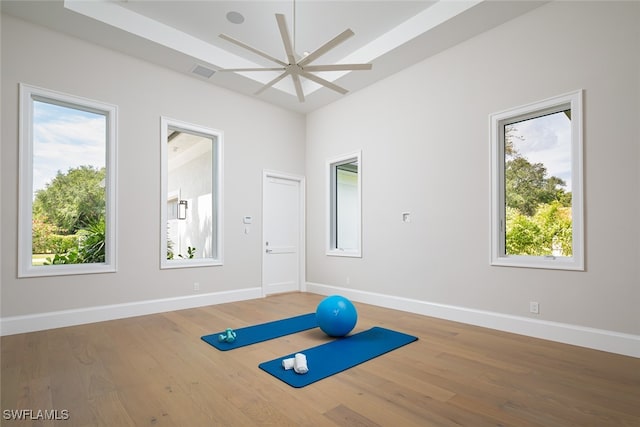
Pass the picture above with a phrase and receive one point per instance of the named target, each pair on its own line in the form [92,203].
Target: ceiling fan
[299,68]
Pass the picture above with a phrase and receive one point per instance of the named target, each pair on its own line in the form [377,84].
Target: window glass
[344,181]
[347,214]
[537,185]
[191,185]
[67,177]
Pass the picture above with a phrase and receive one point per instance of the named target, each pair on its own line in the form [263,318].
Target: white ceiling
[179,35]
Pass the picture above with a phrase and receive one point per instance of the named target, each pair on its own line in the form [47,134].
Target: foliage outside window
[537,185]
[67,184]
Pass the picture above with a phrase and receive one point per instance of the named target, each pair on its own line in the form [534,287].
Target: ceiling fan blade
[286,40]
[338,67]
[252,49]
[272,82]
[324,82]
[326,47]
[253,69]
[296,82]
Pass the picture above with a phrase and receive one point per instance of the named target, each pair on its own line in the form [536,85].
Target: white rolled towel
[288,363]
[300,364]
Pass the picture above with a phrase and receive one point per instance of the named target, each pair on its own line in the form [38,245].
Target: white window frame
[332,250]
[217,196]
[29,94]
[572,100]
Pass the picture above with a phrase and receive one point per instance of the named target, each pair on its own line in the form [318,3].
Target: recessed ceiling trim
[413,27]
[124,19]
[128,29]
[127,20]
[117,16]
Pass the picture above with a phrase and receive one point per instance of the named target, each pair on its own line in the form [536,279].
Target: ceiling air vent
[201,71]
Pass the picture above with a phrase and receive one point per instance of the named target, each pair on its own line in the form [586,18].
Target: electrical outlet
[534,307]
[196,286]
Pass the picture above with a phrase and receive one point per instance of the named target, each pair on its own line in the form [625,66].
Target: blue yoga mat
[263,332]
[339,355]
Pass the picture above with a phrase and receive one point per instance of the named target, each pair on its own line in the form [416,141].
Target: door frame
[266,174]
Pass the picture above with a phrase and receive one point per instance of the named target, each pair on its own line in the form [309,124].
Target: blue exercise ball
[336,316]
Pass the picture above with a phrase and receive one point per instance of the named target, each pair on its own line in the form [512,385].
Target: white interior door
[283,233]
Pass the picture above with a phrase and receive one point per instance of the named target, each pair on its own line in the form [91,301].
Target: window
[344,183]
[67,184]
[191,209]
[537,190]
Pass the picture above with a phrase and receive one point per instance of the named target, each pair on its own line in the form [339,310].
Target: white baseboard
[58,319]
[598,339]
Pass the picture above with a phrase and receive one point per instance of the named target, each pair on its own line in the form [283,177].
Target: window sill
[549,263]
[345,253]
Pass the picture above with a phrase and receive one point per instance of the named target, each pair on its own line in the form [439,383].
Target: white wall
[424,137]
[256,136]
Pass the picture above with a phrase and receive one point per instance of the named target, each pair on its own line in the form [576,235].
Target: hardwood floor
[154,370]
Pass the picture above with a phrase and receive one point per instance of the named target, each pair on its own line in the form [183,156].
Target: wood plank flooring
[155,371]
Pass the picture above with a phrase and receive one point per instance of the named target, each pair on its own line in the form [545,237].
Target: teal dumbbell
[228,336]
